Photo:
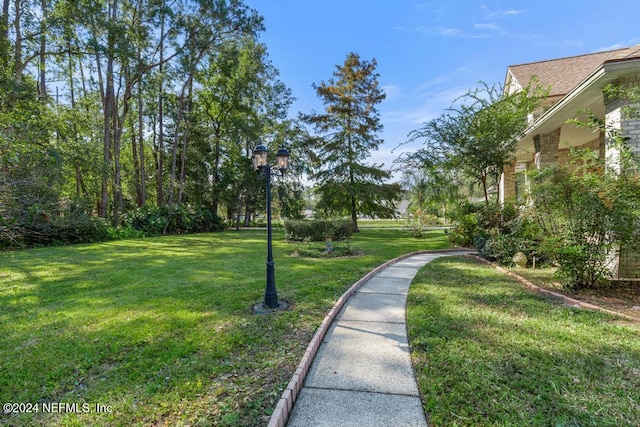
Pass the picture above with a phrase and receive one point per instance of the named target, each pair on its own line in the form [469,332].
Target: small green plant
[420,219]
[465,230]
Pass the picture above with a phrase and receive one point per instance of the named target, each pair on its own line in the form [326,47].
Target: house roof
[564,74]
[577,83]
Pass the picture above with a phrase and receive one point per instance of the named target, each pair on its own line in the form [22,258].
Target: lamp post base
[263,309]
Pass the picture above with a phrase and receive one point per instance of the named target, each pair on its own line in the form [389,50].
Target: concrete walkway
[362,373]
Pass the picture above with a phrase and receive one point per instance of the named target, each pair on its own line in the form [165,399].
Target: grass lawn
[384,223]
[488,352]
[159,331]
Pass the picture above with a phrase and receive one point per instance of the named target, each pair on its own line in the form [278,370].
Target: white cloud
[620,45]
[431,104]
[490,26]
[505,13]
[451,32]
[393,92]
[440,31]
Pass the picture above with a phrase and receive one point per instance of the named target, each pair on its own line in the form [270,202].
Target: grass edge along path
[160,330]
[488,352]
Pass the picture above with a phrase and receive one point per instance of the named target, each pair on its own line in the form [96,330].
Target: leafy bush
[496,217]
[178,219]
[520,234]
[311,251]
[38,228]
[464,230]
[317,230]
[497,232]
[41,230]
[586,213]
[122,233]
[421,218]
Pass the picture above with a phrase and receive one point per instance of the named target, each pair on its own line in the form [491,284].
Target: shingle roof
[564,74]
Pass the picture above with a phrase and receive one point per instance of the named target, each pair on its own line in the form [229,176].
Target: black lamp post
[261,164]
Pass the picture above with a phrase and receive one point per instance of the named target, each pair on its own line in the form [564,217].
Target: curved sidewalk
[362,373]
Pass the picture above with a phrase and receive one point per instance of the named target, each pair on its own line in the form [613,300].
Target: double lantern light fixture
[261,164]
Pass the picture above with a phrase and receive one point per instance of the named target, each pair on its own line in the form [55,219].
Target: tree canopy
[478,135]
[106,107]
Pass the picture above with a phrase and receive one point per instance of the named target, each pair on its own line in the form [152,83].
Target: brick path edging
[284,406]
[571,302]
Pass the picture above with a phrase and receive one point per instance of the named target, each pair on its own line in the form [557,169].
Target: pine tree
[346,133]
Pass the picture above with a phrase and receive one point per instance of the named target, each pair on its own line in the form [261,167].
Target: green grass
[161,329]
[388,223]
[487,352]
[383,223]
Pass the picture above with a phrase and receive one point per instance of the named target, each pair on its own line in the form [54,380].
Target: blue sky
[431,52]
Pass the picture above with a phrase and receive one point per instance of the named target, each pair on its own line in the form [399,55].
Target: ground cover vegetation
[161,330]
[488,352]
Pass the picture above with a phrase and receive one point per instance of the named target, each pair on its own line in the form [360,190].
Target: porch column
[617,120]
[546,146]
[626,263]
[508,182]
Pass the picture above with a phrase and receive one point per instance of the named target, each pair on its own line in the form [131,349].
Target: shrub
[497,232]
[41,230]
[464,230]
[520,234]
[421,219]
[586,212]
[317,230]
[178,219]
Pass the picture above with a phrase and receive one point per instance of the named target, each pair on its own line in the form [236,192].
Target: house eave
[587,94]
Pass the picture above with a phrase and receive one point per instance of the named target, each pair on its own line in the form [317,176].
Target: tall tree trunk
[43,49]
[106,147]
[81,189]
[4,33]
[354,215]
[106,141]
[185,137]
[351,157]
[143,177]
[174,147]
[485,189]
[117,173]
[17,51]
[247,215]
[160,161]
[72,92]
[136,165]
[110,114]
[216,167]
